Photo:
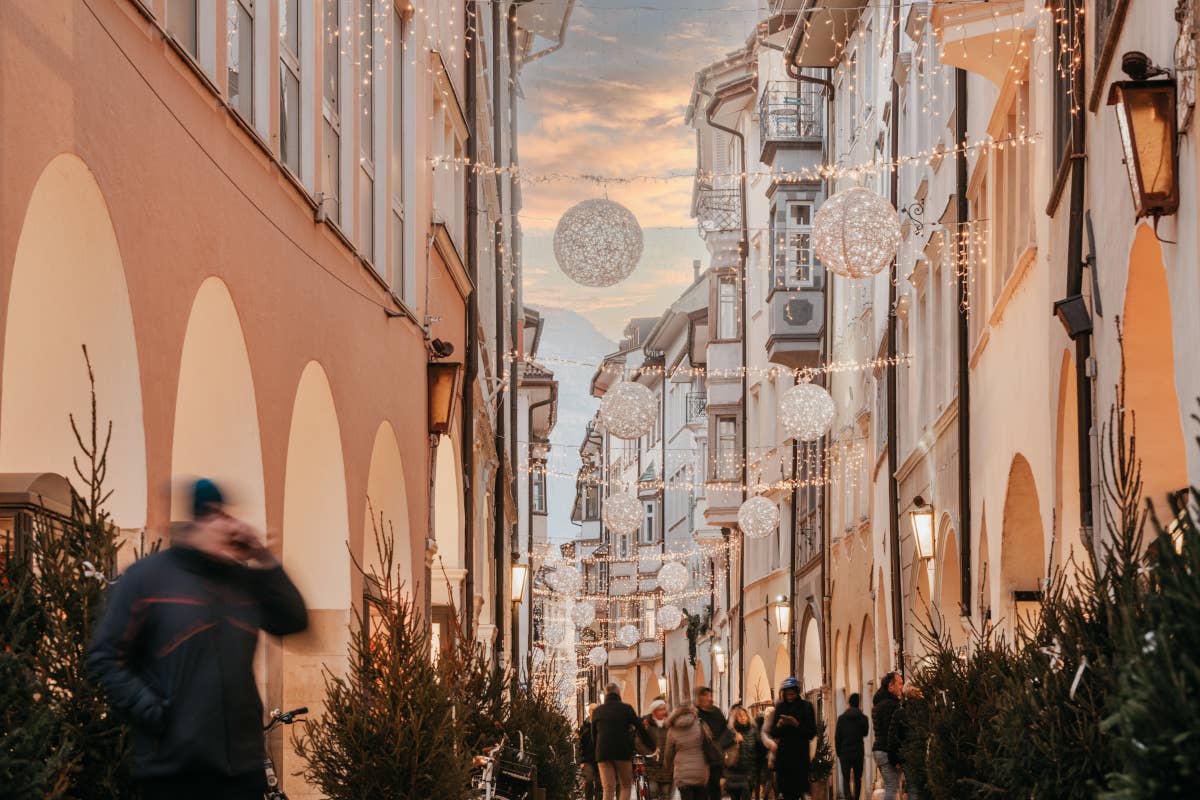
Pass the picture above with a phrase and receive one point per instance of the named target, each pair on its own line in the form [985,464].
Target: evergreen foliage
[388,727]
[1101,696]
[60,737]
[535,712]
[820,766]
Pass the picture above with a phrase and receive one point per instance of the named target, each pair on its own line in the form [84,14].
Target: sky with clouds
[612,102]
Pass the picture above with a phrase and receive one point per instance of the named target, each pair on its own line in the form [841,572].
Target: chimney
[695,268]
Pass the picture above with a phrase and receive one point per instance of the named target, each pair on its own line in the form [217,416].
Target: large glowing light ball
[628,635]
[806,411]
[598,243]
[622,513]
[669,617]
[597,656]
[554,633]
[856,233]
[673,577]
[628,410]
[758,517]
[583,613]
[566,579]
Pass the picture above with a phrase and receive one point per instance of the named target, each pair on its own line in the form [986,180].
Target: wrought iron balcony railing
[697,407]
[719,210]
[791,112]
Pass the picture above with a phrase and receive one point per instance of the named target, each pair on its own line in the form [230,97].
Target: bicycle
[504,773]
[286,718]
[641,784]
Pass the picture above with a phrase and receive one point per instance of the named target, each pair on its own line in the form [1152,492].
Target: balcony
[718,211]
[797,322]
[697,408]
[983,38]
[790,114]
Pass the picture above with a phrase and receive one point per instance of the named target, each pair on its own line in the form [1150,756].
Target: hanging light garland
[628,410]
[598,243]
[806,411]
[758,518]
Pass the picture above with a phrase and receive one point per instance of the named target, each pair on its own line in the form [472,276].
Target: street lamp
[782,610]
[662,685]
[719,657]
[1147,121]
[520,574]
[921,519]
[442,388]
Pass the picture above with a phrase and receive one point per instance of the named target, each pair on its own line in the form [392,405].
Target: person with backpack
[884,705]
[717,728]
[791,727]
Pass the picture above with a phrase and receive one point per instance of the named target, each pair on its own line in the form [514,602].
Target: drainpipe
[743,254]
[892,372]
[963,212]
[1083,344]
[467,429]
[516,318]
[499,540]
[792,559]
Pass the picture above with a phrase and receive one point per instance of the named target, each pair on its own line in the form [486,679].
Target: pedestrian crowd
[695,752]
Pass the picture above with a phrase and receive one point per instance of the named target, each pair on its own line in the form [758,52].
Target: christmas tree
[389,727]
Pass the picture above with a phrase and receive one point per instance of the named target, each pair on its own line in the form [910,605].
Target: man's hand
[737,737]
[251,547]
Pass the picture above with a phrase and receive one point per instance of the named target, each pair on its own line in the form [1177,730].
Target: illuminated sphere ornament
[583,613]
[758,517]
[628,410]
[555,633]
[539,658]
[567,579]
[622,513]
[598,243]
[628,635]
[806,411]
[856,233]
[673,577]
[669,617]
[597,656]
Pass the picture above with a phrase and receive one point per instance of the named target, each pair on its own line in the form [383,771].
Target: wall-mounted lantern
[1148,124]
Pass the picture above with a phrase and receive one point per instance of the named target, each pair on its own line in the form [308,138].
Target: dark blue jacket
[175,651]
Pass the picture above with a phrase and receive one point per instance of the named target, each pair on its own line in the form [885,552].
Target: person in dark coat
[898,733]
[587,757]
[718,729]
[739,777]
[614,724]
[792,725]
[657,776]
[852,729]
[883,707]
[175,647]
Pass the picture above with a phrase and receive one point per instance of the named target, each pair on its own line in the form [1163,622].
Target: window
[727,465]
[366,129]
[649,620]
[1066,36]
[591,503]
[649,524]
[699,473]
[331,153]
[289,85]
[240,56]
[792,242]
[622,545]
[727,322]
[537,478]
[181,24]
[881,421]
[603,574]
[397,158]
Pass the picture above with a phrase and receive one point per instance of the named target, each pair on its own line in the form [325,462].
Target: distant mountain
[570,336]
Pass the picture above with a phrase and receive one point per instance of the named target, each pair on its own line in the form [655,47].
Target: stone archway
[1022,543]
[758,683]
[68,290]
[1150,372]
[811,660]
[387,503]
[316,532]
[1068,545]
[216,432]
[450,570]
[949,578]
